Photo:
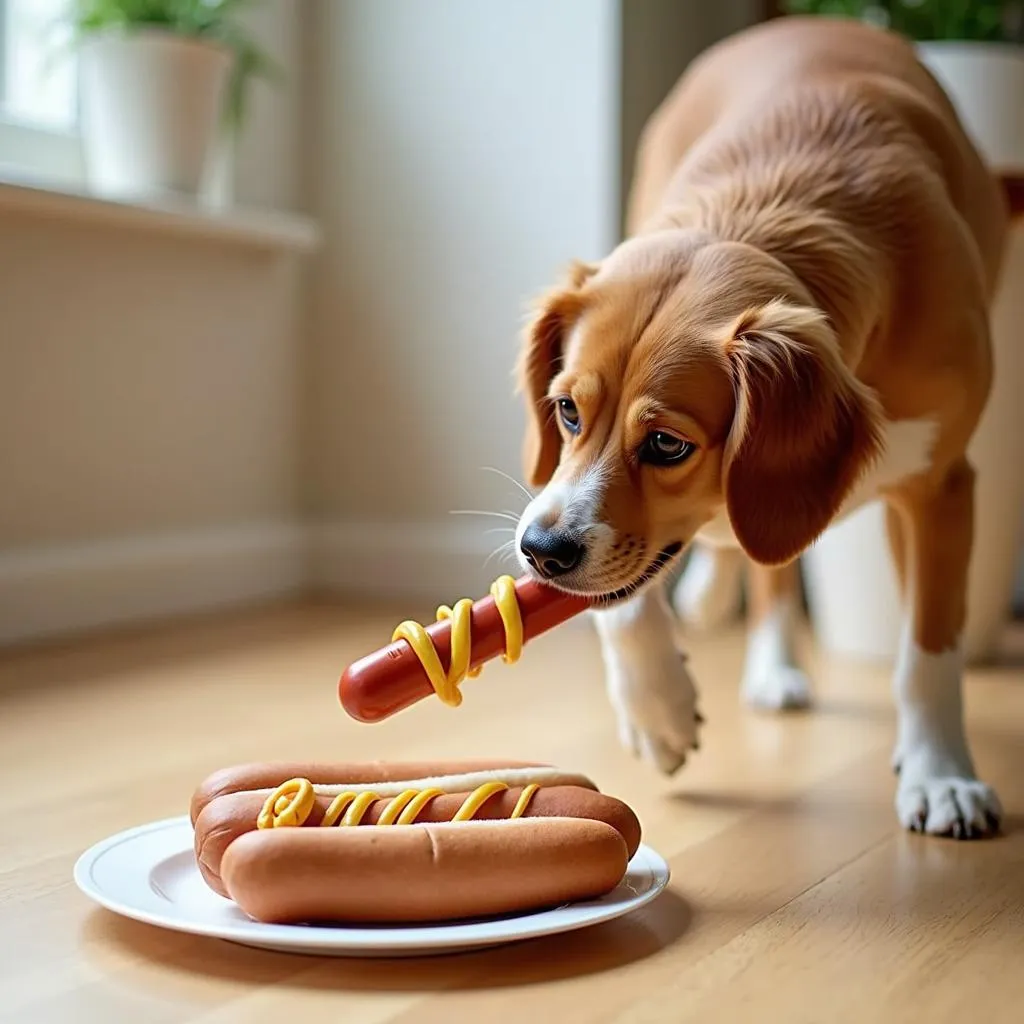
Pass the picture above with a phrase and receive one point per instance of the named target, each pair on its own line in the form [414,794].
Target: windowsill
[253,228]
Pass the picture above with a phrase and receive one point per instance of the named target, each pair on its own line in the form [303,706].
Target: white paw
[655,704]
[947,805]
[710,593]
[772,679]
[776,687]
[938,792]
[942,799]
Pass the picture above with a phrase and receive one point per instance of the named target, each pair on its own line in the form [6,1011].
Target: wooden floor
[795,897]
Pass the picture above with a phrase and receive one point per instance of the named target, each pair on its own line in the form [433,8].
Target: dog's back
[836,87]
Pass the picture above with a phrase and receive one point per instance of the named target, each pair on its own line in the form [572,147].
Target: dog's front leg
[938,791]
[649,687]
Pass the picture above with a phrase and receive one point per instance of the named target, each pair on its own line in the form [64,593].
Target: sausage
[392,678]
[225,819]
[423,873]
[385,777]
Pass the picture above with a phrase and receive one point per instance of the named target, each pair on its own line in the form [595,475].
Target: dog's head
[678,385]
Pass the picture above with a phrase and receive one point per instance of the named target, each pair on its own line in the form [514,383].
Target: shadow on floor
[108,940]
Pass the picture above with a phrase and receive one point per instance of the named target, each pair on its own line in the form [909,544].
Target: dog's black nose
[550,552]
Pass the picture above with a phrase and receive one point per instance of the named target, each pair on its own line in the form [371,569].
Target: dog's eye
[663,449]
[569,415]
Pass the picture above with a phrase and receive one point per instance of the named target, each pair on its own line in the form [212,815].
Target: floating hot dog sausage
[423,661]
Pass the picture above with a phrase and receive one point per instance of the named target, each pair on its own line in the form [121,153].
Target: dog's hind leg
[709,593]
[772,676]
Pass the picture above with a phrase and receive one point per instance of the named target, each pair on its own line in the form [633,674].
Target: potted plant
[163,87]
[975,49]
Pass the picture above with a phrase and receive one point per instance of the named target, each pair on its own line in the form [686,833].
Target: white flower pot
[151,106]
[851,586]
[985,82]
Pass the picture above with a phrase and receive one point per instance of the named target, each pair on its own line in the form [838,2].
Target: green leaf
[967,20]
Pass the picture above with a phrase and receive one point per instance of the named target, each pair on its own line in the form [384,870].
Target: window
[38,70]
[38,90]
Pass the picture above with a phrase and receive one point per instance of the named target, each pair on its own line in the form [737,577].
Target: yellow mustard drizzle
[447,686]
[291,803]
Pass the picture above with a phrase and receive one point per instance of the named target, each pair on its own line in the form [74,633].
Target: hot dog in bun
[416,842]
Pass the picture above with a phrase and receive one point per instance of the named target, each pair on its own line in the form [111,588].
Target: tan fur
[803,433]
[813,247]
[770,586]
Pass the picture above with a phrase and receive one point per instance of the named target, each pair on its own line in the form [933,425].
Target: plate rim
[341,939]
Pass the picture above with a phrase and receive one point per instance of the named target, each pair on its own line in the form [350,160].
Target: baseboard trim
[66,589]
[434,562]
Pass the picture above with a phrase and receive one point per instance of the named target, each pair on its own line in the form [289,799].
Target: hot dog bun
[421,873]
[409,841]
[384,777]
[224,819]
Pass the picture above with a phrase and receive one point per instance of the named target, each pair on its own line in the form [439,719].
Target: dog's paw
[772,679]
[945,804]
[775,686]
[709,594]
[655,705]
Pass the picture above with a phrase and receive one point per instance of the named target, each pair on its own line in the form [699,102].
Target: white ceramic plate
[149,874]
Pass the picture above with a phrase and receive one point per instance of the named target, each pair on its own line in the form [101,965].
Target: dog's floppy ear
[539,358]
[804,431]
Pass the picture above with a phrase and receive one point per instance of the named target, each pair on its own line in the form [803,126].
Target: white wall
[464,152]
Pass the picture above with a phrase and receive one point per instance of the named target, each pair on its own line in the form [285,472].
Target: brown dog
[797,323]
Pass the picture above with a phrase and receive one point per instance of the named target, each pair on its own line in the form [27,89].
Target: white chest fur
[907,451]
